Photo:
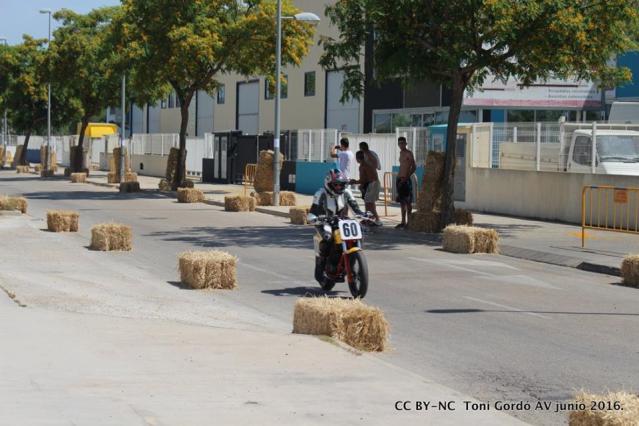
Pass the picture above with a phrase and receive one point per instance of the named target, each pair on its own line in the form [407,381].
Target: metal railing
[609,208]
[248,179]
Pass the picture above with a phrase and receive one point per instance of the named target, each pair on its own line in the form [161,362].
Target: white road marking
[266,271]
[511,308]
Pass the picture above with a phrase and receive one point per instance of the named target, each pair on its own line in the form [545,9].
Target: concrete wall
[149,165]
[540,195]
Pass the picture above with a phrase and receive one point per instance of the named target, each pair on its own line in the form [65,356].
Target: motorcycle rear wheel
[358,282]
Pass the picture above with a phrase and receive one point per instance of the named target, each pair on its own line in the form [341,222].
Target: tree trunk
[23,156]
[180,173]
[457,99]
[78,164]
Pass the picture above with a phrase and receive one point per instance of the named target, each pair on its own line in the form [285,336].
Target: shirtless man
[404,183]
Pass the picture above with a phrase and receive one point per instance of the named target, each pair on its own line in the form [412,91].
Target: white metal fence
[316,144]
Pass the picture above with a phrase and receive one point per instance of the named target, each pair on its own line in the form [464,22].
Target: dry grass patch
[299,215]
[208,269]
[627,415]
[190,195]
[111,237]
[14,203]
[630,270]
[62,221]
[239,203]
[78,177]
[128,187]
[351,321]
[470,239]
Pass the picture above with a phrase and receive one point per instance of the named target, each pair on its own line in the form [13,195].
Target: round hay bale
[129,187]
[208,269]
[190,195]
[469,239]
[14,203]
[239,203]
[626,414]
[62,221]
[111,237]
[299,215]
[78,177]
[630,270]
[349,320]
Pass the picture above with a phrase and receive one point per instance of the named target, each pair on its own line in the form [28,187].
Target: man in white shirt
[345,158]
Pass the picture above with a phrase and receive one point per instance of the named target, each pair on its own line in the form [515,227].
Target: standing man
[370,157]
[404,183]
[345,158]
[369,186]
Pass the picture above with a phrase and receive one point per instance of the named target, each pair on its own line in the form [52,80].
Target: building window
[309,83]
[171,100]
[221,94]
[269,89]
[520,116]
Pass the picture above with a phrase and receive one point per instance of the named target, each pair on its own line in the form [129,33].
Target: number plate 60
[350,230]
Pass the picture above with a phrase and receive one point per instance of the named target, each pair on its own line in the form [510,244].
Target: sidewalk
[103,342]
[539,241]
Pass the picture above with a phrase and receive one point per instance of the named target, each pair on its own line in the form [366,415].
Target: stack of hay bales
[190,195]
[299,215]
[239,203]
[427,218]
[264,174]
[14,203]
[111,237]
[626,414]
[470,239]
[115,166]
[349,320]
[128,187]
[62,221]
[208,269]
[630,270]
[78,177]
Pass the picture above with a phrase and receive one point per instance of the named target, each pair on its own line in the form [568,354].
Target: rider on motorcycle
[333,199]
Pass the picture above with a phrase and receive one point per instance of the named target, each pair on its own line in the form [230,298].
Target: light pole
[304,17]
[123,130]
[45,166]
[5,128]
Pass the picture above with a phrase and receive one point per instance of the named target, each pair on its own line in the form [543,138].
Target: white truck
[615,150]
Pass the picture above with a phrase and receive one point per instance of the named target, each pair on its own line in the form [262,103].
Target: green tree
[187,45]
[82,64]
[461,43]
[24,86]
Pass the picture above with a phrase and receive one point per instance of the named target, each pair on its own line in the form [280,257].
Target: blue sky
[19,17]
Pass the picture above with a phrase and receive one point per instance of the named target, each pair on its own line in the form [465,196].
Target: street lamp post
[48,148]
[304,17]
[123,130]
[5,128]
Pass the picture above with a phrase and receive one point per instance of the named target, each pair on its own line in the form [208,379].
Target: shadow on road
[180,285]
[475,311]
[96,196]
[302,292]
[505,230]
[32,178]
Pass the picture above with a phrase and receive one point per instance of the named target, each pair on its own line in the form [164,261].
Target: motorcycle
[345,260]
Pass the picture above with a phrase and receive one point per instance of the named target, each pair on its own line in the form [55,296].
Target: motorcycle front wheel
[358,281]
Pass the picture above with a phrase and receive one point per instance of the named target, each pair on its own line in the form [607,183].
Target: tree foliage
[461,43]
[82,63]
[187,45]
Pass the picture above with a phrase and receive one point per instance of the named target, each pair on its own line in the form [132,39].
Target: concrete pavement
[496,327]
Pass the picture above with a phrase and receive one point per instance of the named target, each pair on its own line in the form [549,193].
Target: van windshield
[618,148]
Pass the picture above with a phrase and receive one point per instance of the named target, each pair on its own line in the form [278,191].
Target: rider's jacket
[325,204]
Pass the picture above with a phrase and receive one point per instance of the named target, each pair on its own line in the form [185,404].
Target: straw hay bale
[239,203]
[16,158]
[287,198]
[53,158]
[112,177]
[264,198]
[463,217]
[470,239]
[190,195]
[130,177]
[37,168]
[208,269]
[128,187]
[62,221]
[23,169]
[171,166]
[14,203]
[430,196]
[264,173]
[630,270]
[2,158]
[349,320]
[299,215]
[627,416]
[78,177]
[425,221]
[111,237]
[164,185]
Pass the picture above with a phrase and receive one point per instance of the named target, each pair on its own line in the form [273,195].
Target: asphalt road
[496,328]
